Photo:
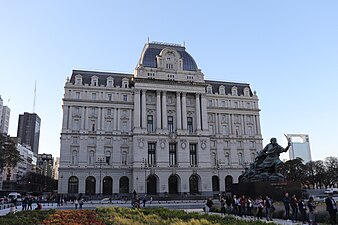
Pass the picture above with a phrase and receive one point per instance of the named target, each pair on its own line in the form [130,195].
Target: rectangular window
[76,124]
[93,96]
[125,98]
[172,154]
[152,154]
[211,130]
[77,95]
[193,154]
[109,97]
[150,122]
[109,112]
[124,158]
[190,127]
[108,160]
[170,124]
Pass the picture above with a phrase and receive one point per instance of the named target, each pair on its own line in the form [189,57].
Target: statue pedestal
[275,190]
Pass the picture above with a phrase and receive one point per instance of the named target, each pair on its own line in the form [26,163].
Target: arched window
[73,185]
[90,185]
[124,185]
[193,184]
[215,183]
[228,183]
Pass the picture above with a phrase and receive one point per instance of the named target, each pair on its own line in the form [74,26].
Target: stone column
[86,119]
[102,119]
[219,123]
[115,119]
[258,125]
[255,125]
[178,110]
[231,124]
[242,123]
[198,112]
[144,110]
[136,109]
[184,111]
[70,118]
[118,119]
[83,118]
[65,117]
[204,113]
[99,118]
[164,110]
[158,110]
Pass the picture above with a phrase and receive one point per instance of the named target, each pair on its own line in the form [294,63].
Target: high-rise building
[300,147]
[29,131]
[162,130]
[5,113]
[45,163]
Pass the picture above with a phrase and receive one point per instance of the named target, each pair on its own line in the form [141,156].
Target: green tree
[295,170]
[9,154]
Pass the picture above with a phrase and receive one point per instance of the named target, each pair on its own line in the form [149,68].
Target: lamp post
[144,166]
[100,162]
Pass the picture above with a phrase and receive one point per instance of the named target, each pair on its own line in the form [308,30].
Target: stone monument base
[275,190]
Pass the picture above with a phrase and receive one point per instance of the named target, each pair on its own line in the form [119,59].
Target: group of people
[245,206]
[78,203]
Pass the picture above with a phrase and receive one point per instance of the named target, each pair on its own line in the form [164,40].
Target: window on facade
[170,124]
[150,124]
[169,66]
[76,125]
[213,159]
[211,129]
[250,131]
[93,96]
[225,129]
[110,83]
[240,158]
[227,159]
[109,97]
[77,95]
[79,80]
[223,103]
[152,154]
[172,154]
[93,125]
[109,125]
[193,154]
[108,156]
[74,157]
[209,90]
[237,131]
[253,157]
[210,103]
[190,126]
[75,140]
[125,98]
[109,112]
[124,158]
[91,159]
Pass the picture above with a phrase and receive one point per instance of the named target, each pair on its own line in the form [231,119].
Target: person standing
[249,206]
[222,206]
[287,201]
[260,206]
[208,205]
[294,207]
[76,202]
[312,206]
[302,210]
[81,203]
[331,207]
[269,208]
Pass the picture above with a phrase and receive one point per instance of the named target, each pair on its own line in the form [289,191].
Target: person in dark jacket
[294,207]
[312,206]
[287,201]
[331,207]
[302,210]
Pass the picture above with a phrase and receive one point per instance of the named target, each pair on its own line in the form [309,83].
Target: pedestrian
[144,200]
[222,206]
[81,203]
[228,203]
[234,205]
[302,210]
[260,206]
[76,202]
[208,205]
[312,206]
[29,203]
[38,206]
[249,206]
[294,207]
[242,206]
[286,201]
[151,200]
[331,207]
[269,208]
[24,204]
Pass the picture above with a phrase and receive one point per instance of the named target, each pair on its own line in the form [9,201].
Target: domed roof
[151,50]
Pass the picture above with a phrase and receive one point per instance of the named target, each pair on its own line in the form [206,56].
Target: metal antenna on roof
[34,98]
[148,39]
[183,43]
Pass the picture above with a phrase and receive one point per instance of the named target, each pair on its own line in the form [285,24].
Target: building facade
[5,113]
[162,130]
[45,163]
[29,131]
[300,147]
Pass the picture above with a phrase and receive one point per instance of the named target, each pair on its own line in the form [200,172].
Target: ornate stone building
[162,130]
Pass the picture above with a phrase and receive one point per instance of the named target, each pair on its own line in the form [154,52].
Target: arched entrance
[90,185]
[228,183]
[152,185]
[73,185]
[215,183]
[193,184]
[124,185]
[173,183]
[107,186]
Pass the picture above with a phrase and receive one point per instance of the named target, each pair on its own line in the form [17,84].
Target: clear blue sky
[286,50]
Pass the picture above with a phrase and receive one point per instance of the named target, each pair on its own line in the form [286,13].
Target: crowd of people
[246,206]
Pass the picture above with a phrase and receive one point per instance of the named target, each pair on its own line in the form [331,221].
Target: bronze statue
[267,164]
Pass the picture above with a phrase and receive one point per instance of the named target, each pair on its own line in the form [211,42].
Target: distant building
[5,112]
[45,163]
[11,175]
[29,131]
[300,147]
[55,174]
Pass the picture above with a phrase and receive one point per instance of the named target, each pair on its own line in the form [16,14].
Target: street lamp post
[100,161]
[144,166]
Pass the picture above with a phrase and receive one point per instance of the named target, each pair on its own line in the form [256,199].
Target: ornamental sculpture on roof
[267,164]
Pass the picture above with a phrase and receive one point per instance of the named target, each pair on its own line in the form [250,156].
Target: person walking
[242,206]
[331,207]
[222,201]
[29,203]
[312,206]
[294,207]
[286,202]
[234,205]
[81,203]
[249,206]
[24,204]
[269,208]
